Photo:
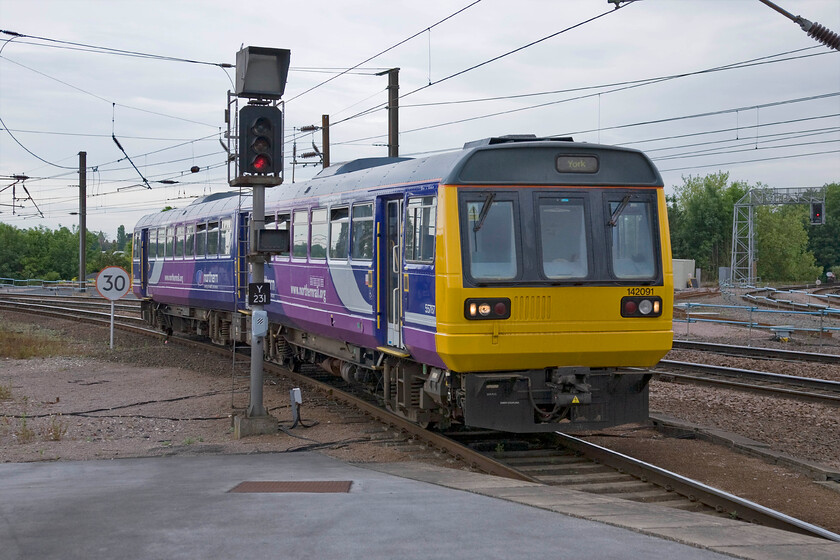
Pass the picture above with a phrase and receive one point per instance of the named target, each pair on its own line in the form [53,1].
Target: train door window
[420,229]
[361,227]
[225,234]
[490,235]
[179,242]
[283,223]
[212,239]
[632,239]
[562,237]
[301,234]
[189,241]
[320,227]
[135,248]
[170,241]
[200,239]
[339,233]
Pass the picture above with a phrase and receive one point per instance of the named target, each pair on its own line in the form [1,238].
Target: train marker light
[650,306]
[487,308]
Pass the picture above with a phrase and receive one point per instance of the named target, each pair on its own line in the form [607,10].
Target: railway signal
[260,140]
[817,217]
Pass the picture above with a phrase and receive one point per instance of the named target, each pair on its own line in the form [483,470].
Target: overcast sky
[775,123]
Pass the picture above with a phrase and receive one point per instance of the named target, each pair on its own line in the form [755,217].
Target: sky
[653,75]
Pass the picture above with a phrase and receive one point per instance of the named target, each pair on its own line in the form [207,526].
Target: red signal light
[261,163]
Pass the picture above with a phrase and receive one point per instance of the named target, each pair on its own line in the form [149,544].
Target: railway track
[562,460]
[790,386]
[756,352]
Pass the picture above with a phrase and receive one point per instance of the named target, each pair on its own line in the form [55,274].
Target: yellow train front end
[548,290]
[561,325]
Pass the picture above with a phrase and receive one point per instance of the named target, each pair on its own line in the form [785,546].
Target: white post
[112,324]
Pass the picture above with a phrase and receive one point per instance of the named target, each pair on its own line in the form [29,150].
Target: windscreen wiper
[613,219]
[484,211]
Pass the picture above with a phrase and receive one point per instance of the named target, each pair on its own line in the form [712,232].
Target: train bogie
[505,286]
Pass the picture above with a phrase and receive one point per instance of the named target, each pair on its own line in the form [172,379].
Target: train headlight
[641,306]
[487,308]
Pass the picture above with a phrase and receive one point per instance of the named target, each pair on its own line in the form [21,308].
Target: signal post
[261,79]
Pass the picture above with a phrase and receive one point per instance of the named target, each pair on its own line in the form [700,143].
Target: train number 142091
[640,291]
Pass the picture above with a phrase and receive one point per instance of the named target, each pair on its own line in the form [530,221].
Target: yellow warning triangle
[575,400]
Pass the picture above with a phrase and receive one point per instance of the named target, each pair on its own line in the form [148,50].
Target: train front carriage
[553,281]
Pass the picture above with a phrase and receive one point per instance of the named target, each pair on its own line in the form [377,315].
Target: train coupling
[569,386]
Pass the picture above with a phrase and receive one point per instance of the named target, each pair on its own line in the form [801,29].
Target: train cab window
[170,241]
[179,242]
[339,233]
[320,227]
[490,235]
[301,234]
[562,236]
[225,234]
[361,227]
[632,240]
[212,239]
[200,239]
[420,229]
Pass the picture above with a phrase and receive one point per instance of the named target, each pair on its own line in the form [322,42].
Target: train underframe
[566,399]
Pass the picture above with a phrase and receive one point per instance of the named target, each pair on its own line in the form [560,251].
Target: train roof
[502,160]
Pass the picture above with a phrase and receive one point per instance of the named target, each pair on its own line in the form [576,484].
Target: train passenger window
[225,234]
[151,250]
[420,229]
[212,239]
[491,237]
[189,241]
[179,242]
[632,241]
[318,249]
[283,221]
[200,239]
[135,248]
[161,243]
[170,241]
[562,227]
[339,232]
[270,221]
[361,246]
[301,234]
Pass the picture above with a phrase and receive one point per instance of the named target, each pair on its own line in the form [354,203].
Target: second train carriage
[508,285]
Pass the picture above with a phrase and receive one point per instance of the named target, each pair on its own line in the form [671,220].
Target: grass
[5,391]
[27,341]
[55,429]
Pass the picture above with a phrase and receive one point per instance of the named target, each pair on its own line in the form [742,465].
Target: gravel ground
[145,399]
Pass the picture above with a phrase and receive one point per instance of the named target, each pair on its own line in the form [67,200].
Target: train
[519,284]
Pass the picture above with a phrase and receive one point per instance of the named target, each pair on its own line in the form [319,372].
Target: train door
[140,260]
[393,268]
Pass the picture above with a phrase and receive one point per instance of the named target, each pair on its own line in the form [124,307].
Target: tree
[824,240]
[700,214]
[122,239]
[782,244]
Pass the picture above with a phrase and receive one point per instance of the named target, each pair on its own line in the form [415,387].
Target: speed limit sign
[113,282]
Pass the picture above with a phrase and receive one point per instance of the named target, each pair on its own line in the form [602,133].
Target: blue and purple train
[514,285]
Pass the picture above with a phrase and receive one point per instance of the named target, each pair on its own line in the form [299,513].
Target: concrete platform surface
[181,507]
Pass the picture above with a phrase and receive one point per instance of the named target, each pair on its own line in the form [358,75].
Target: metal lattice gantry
[743,265]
